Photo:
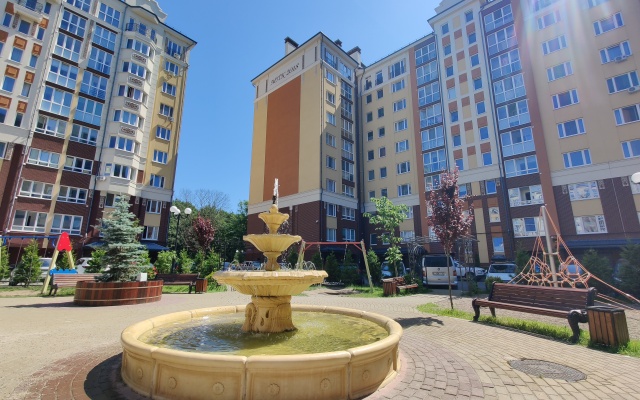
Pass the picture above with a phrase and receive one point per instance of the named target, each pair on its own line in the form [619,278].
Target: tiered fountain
[160,368]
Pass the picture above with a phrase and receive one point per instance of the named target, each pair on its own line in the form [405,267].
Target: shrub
[490,281]
[62,262]
[317,260]
[95,264]
[629,271]
[164,261]
[350,275]
[374,266]
[28,270]
[474,289]
[599,266]
[331,266]
[4,262]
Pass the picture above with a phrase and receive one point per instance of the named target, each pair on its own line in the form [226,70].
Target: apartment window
[459,163]
[156,181]
[477,83]
[372,239]
[513,114]
[434,161]
[331,98]
[346,90]
[331,235]
[449,70]
[83,134]
[517,142]
[94,85]
[427,73]
[347,150]
[166,110]
[51,126]
[331,162]
[396,86]
[475,59]
[618,52]
[462,190]
[430,116]
[399,105]
[383,172]
[134,69]
[33,61]
[127,118]
[578,158]
[171,68]
[381,132]
[526,195]
[154,206]
[498,245]
[402,146]
[70,224]
[509,88]
[371,174]
[348,214]
[505,64]
[486,158]
[521,166]
[404,190]
[429,93]
[382,152]
[24,27]
[73,23]
[6,21]
[480,107]
[445,28]
[331,185]
[160,156]
[484,133]
[565,99]
[380,112]
[403,168]
[498,18]
[528,226]
[132,93]
[425,53]
[119,171]
[84,5]
[369,136]
[104,37]
[397,69]
[490,186]
[379,78]
[540,4]
[622,82]
[331,118]
[347,190]
[37,190]
[26,89]
[627,115]
[471,38]
[69,194]
[43,158]
[590,224]
[457,140]
[40,33]
[77,164]
[451,93]
[502,40]
[18,120]
[109,15]
[8,83]
[571,128]
[432,138]
[608,24]
[29,221]
[559,71]
[151,233]
[62,74]
[400,125]
[447,49]
[583,191]
[631,148]
[348,234]
[347,171]
[138,46]
[16,54]
[163,133]
[331,210]
[3,114]
[89,111]
[370,155]
[548,19]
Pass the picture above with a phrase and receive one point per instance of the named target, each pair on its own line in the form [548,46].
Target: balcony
[30,10]
[142,30]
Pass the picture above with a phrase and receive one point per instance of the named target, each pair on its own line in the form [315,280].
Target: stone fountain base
[268,314]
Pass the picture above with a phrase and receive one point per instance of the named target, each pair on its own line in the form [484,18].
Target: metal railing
[31,5]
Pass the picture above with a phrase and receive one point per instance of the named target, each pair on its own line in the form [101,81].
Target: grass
[557,332]
[365,291]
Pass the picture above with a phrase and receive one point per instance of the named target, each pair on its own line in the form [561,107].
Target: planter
[93,294]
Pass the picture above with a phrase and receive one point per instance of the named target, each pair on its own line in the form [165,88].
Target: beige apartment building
[91,104]
[535,102]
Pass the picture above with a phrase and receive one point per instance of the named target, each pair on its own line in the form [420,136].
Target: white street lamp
[176,212]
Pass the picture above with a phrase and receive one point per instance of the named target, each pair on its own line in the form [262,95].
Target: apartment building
[91,101]
[534,101]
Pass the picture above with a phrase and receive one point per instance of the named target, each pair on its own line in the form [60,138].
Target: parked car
[505,271]
[82,263]
[434,271]
[388,271]
[471,273]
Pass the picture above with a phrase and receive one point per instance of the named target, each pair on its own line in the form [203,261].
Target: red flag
[63,242]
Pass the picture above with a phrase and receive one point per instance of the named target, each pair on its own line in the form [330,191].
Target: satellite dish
[635,178]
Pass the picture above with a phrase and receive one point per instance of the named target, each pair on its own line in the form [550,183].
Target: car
[388,271]
[434,271]
[475,273]
[82,263]
[505,271]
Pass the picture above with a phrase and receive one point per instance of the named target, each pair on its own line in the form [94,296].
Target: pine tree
[28,270]
[124,255]
[4,262]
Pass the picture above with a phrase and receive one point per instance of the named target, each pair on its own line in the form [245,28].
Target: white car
[82,263]
[388,271]
[434,271]
[504,271]
[475,273]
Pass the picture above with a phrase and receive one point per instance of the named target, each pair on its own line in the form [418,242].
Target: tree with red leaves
[204,233]
[447,215]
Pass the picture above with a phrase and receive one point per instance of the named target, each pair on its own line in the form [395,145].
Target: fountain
[340,373]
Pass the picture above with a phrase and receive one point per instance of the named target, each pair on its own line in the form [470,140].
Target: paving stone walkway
[52,349]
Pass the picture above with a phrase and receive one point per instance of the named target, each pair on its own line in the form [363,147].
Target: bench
[542,300]
[402,285]
[179,279]
[68,280]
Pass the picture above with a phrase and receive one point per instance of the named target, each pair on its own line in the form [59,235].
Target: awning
[151,246]
[600,244]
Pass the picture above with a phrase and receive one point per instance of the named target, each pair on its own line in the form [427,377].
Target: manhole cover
[547,369]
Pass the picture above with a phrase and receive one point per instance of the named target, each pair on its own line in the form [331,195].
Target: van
[434,271]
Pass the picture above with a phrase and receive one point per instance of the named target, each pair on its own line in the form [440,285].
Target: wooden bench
[179,279]
[542,300]
[68,280]
[402,285]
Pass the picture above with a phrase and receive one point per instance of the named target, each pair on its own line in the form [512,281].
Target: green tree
[165,261]
[600,267]
[29,268]
[95,264]
[522,258]
[4,262]
[629,271]
[316,259]
[125,256]
[292,257]
[374,266]
[331,266]
[184,262]
[387,219]
[62,262]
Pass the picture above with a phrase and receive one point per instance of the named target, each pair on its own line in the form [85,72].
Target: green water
[221,334]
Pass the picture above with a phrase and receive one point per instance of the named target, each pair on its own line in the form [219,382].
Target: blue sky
[237,40]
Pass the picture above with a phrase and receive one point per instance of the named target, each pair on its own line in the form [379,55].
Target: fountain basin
[163,373]
[270,283]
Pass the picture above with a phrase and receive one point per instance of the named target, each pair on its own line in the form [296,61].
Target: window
[174,49]
[156,181]
[427,73]
[622,82]
[69,194]
[369,116]
[33,61]
[16,54]
[348,234]
[590,224]
[62,74]
[513,114]
[608,24]
[331,118]
[379,78]
[430,116]
[331,210]
[505,64]
[160,156]
[631,148]
[559,71]
[480,107]
[402,146]
[383,172]
[498,245]
[104,37]
[477,83]
[6,21]
[382,152]
[403,167]
[347,150]
[471,38]
[449,70]
[486,158]
[396,86]
[491,187]
[331,140]
[88,111]
[521,166]
[331,162]
[583,191]
[540,4]
[383,192]
[498,18]
[404,190]
[475,60]
[369,136]
[138,46]
[346,90]
[627,115]
[502,40]
[29,221]
[100,60]
[548,19]
[571,128]
[94,85]
[154,206]
[451,93]
[397,69]
[565,99]
[576,158]
[67,47]
[347,190]
[484,133]
[121,143]
[372,239]
[109,15]
[462,190]
[447,49]
[330,59]
[37,190]
[425,53]
[77,164]
[369,98]
[348,214]
[171,68]
[526,195]
[151,232]
[528,226]
[331,185]
[399,105]
[331,235]
[345,70]
[432,138]
[457,140]
[381,132]
[127,118]
[380,112]
[163,133]
[331,98]
[43,158]
[445,29]
[428,93]
[24,27]
[517,142]
[618,52]
[3,114]
[26,89]
[51,126]
[70,224]
[84,5]
[459,163]
[119,171]
[18,120]
[370,155]
[407,236]
[371,175]
[166,110]
[134,69]
[347,171]
[400,125]
[83,134]
[8,83]
[509,88]
[73,23]
[434,161]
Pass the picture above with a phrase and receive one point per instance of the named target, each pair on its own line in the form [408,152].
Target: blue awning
[600,244]
[151,246]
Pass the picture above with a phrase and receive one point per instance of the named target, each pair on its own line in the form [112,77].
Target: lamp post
[176,212]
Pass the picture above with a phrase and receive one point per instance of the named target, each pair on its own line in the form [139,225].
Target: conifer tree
[4,262]
[28,270]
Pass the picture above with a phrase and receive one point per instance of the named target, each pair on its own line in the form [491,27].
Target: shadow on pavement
[104,382]
[429,321]
[66,304]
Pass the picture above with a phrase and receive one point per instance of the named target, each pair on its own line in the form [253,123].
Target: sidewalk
[53,349]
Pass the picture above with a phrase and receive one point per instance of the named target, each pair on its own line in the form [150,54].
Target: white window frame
[569,161]
[104,37]
[71,224]
[429,93]
[432,138]
[331,118]
[160,156]
[397,86]
[67,47]
[559,71]
[78,164]
[549,19]
[505,64]
[39,220]
[427,73]
[127,118]
[331,234]
[501,40]
[570,95]
[437,161]
[153,207]
[399,105]
[631,148]
[43,158]
[521,166]
[156,181]
[109,15]
[518,196]
[404,190]
[151,233]
[402,146]
[498,18]
[51,126]
[331,185]
[56,101]
[89,111]
[590,224]
[347,190]
[94,85]
[36,190]
[100,60]
[622,82]
[583,191]
[571,128]
[513,114]
[331,210]
[614,21]
[163,133]
[401,125]
[330,162]
[522,227]
[348,213]
[509,88]
[556,44]
[403,168]
[62,74]
[627,115]
[349,234]
[618,52]
[69,194]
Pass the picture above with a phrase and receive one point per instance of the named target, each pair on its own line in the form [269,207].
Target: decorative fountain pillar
[271,289]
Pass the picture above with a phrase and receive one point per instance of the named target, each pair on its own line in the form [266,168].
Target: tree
[164,261]
[29,268]
[316,259]
[124,254]
[184,262]
[204,233]
[522,258]
[447,216]
[95,264]
[62,263]
[387,219]
[331,266]
[374,266]
[629,270]
[4,262]
[292,257]
[599,266]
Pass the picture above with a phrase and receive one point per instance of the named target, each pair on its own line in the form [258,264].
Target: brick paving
[52,349]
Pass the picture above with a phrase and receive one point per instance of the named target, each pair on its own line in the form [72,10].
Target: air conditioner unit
[633,89]
[171,119]
[620,58]
[176,55]
[101,177]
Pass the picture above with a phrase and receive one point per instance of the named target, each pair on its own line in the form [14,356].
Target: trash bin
[201,285]
[388,287]
[608,325]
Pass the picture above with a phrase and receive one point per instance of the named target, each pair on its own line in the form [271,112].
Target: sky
[237,41]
